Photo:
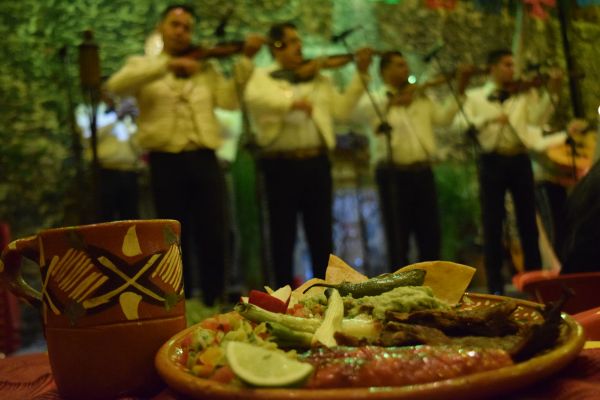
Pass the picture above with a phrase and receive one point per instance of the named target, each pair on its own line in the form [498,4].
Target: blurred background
[45,172]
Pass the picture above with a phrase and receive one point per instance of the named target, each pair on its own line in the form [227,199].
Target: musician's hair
[386,59]
[495,56]
[276,33]
[185,7]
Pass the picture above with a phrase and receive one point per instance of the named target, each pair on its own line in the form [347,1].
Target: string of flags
[537,8]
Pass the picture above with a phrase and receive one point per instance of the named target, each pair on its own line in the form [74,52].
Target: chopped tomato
[187,341]
[266,301]
[210,323]
[298,310]
[220,322]
[223,375]
[183,359]
[211,356]
[224,323]
[203,370]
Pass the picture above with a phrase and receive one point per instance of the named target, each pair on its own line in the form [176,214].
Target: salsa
[398,366]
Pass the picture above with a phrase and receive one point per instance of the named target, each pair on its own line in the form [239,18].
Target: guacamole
[400,299]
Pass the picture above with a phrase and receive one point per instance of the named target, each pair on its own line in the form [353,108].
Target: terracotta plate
[482,384]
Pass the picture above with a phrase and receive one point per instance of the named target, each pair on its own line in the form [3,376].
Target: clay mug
[111,295]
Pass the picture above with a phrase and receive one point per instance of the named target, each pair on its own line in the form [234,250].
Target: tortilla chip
[447,280]
[338,271]
[297,294]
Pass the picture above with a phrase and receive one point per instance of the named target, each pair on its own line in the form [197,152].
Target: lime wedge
[258,366]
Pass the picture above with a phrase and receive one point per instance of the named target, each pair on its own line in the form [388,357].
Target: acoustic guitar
[574,158]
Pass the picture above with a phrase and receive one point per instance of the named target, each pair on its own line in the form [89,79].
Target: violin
[308,70]
[406,93]
[514,88]
[221,50]
[518,86]
[523,85]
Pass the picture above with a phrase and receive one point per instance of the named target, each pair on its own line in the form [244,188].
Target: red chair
[586,286]
[523,279]
[590,320]
[10,312]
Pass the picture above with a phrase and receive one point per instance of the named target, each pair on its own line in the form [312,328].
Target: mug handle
[10,270]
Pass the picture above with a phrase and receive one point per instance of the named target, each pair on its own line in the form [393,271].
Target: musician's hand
[577,126]
[303,105]
[308,70]
[464,72]
[184,66]
[253,44]
[404,97]
[363,58]
[555,77]
[501,119]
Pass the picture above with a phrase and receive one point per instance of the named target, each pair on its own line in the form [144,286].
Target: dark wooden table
[29,377]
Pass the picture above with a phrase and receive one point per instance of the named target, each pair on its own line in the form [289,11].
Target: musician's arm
[443,114]
[136,72]
[226,89]
[540,106]
[345,102]
[268,104]
[474,113]
[540,142]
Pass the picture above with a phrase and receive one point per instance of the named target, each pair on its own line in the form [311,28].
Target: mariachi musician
[507,115]
[293,116]
[556,171]
[404,117]
[176,93]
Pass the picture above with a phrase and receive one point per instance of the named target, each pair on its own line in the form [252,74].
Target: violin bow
[384,127]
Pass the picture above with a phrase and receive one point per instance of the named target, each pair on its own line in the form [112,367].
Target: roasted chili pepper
[377,285]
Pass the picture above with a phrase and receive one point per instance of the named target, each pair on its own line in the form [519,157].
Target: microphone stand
[384,128]
[89,71]
[76,146]
[247,142]
[471,131]
[570,141]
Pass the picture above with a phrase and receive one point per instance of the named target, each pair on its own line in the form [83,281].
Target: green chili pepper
[377,285]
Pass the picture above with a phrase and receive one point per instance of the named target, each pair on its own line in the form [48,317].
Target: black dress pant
[499,173]
[298,188]
[119,194]
[408,199]
[190,187]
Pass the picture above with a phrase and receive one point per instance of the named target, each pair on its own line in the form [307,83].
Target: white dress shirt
[177,114]
[526,113]
[412,137]
[279,128]
[116,141]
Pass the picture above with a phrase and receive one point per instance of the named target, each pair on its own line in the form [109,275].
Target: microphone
[499,95]
[532,66]
[220,29]
[344,34]
[433,52]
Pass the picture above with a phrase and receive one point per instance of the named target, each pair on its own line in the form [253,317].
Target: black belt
[298,154]
[416,166]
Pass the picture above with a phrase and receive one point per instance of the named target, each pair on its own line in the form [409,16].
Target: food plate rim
[496,381]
